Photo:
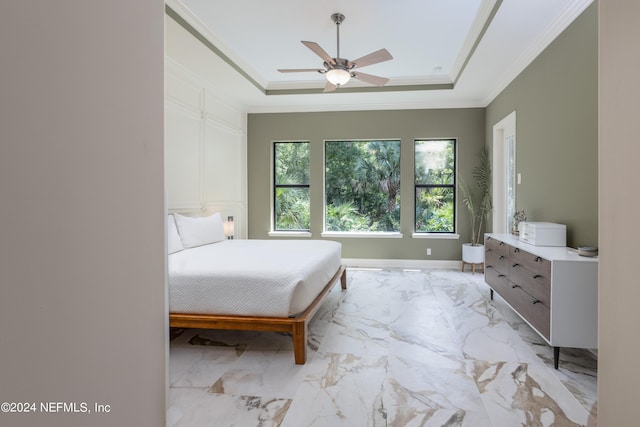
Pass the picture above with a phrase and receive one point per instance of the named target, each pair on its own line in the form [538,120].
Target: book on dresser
[553,289]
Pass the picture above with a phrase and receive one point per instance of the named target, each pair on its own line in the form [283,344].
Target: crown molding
[571,12]
[188,20]
[422,105]
[181,14]
[485,15]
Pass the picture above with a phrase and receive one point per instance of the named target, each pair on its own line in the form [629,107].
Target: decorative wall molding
[205,143]
[182,107]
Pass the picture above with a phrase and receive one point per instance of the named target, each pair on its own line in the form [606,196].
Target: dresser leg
[556,356]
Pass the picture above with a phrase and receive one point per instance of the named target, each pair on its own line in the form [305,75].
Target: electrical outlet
[428,251]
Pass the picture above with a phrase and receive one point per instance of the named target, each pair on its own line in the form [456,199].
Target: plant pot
[472,254]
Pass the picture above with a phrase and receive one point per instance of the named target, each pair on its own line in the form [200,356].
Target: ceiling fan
[340,70]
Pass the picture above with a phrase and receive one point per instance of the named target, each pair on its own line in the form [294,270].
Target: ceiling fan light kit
[339,71]
[338,76]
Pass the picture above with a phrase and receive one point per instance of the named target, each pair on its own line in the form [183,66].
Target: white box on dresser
[553,289]
[543,233]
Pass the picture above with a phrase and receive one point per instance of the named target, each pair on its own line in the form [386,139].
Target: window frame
[454,232]
[276,186]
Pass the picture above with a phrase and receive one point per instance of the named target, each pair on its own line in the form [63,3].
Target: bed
[258,285]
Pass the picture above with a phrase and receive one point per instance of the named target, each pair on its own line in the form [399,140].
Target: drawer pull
[489,250]
[538,259]
[535,276]
[514,286]
[515,265]
[489,266]
[501,257]
[516,250]
[536,301]
[501,243]
[500,275]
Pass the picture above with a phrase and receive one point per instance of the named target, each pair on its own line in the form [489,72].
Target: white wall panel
[181,91]
[221,163]
[205,149]
[225,114]
[182,157]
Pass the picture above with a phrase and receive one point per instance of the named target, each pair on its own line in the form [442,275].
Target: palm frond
[479,210]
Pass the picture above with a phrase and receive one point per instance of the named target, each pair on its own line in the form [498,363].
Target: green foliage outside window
[435,186]
[291,175]
[362,185]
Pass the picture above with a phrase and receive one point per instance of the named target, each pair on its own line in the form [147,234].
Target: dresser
[553,289]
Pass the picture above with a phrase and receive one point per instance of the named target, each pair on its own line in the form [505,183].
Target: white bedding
[275,278]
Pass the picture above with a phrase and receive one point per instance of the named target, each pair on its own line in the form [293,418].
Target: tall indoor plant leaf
[478,203]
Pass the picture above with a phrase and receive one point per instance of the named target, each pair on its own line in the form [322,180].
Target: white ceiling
[472,47]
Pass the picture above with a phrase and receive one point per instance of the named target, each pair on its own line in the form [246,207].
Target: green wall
[556,104]
[467,125]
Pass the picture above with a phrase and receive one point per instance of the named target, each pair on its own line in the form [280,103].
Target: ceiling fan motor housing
[337,18]
[340,63]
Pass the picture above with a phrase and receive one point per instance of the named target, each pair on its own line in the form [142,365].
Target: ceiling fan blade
[372,58]
[315,47]
[299,70]
[329,87]
[374,80]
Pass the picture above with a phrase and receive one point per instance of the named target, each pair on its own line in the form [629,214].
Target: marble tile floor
[397,348]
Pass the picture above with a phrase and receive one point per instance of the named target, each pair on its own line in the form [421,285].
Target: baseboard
[400,263]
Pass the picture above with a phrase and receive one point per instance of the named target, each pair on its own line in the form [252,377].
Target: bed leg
[343,279]
[299,335]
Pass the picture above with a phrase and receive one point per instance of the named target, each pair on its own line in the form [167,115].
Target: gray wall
[467,125]
[82,252]
[556,104]
[619,205]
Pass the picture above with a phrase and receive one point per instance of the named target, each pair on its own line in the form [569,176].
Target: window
[362,186]
[291,186]
[510,179]
[435,185]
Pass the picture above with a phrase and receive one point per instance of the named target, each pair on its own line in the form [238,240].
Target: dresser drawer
[497,261]
[536,285]
[496,280]
[533,263]
[536,313]
[496,247]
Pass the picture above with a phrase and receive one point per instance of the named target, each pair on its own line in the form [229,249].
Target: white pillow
[174,244]
[198,231]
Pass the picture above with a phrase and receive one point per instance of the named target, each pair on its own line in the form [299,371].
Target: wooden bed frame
[296,326]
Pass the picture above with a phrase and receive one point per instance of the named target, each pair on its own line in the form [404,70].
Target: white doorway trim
[501,130]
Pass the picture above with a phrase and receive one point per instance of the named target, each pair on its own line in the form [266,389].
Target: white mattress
[275,278]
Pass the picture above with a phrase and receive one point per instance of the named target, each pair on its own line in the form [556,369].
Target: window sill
[362,234]
[435,236]
[290,234]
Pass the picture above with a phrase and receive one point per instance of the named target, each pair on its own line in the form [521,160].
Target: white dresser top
[551,253]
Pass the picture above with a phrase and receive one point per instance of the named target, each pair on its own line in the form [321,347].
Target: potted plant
[518,217]
[479,204]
